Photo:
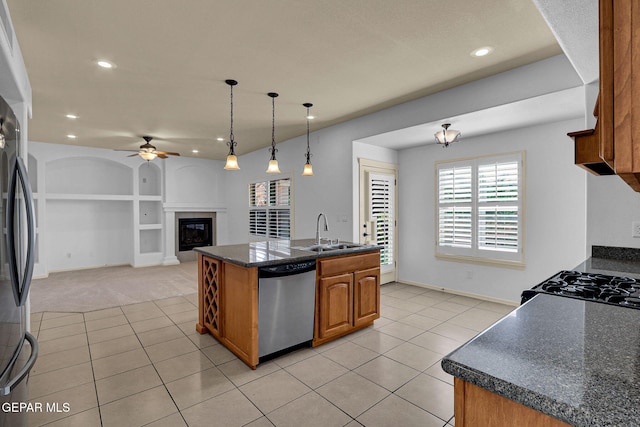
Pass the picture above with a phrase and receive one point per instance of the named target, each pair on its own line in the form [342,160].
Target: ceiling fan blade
[132,155]
[162,156]
[132,151]
[169,153]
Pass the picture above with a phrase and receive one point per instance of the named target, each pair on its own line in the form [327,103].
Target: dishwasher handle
[286,269]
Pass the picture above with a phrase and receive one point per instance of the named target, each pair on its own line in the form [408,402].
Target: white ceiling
[349,58]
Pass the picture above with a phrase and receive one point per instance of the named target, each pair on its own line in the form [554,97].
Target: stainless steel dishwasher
[286,307]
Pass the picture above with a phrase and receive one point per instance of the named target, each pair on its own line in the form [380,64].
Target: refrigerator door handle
[19,175]
[12,383]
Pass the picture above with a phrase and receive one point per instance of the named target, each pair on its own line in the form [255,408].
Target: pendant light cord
[274,150]
[308,147]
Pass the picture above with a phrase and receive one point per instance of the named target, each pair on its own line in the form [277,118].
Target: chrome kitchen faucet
[326,227]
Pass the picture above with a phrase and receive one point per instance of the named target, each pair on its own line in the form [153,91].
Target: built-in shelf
[89,176]
[149,180]
[150,241]
[105,197]
[150,212]
[150,227]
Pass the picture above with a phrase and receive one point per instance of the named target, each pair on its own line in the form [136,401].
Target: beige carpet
[93,289]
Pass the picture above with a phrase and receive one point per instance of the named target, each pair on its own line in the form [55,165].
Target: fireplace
[194,233]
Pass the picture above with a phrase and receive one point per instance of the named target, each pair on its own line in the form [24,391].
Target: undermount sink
[328,247]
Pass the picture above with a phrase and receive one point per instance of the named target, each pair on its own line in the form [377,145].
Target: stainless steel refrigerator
[18,348]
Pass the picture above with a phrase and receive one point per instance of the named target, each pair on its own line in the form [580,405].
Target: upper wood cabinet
[614,145]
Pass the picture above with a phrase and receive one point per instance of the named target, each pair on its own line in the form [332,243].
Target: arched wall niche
[88,175]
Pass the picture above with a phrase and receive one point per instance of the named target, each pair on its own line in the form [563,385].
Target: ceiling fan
[149,152]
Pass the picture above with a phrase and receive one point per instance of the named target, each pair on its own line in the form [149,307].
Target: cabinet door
[366,304]
[335,305]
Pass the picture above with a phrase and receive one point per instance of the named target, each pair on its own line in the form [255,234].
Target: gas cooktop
[624,291]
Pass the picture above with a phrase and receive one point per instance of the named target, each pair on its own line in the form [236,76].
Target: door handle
[20,287]
[13,382]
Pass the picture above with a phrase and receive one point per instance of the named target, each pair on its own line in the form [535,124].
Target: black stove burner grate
[624,291]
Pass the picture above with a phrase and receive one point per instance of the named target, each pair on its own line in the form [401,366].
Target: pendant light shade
[232,160]
[446,136]
[273,163]
[308,169]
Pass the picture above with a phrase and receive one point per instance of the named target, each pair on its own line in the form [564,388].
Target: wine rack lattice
[211,294]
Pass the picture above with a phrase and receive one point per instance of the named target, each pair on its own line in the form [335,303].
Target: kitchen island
[347,290]
[551,362]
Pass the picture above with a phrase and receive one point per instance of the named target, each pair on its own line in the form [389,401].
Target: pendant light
[232,160]
[273,163]
[308,169]
[446,136]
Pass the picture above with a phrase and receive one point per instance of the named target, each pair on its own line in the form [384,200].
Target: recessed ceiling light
[71,116]
[71,136]
[195,151]
[482,51]
[220,139]
[105,64]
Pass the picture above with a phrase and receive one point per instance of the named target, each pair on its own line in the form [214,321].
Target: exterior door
[378,212]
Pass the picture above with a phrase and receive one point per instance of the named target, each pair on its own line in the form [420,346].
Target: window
[270,209]
[480,208]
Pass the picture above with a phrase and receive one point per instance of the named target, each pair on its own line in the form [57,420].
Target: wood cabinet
[614,145]
[228,306]
[348,295]
[475,406]
[347,299]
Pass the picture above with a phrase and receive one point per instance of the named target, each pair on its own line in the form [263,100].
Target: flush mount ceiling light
[446,136]
[308,169]
[232,160]
[71,116]
[3,141]
[273,163]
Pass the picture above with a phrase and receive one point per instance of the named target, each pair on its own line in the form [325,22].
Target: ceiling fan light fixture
[446,136]
[232,160]
[273,162]
[148,155]
[308,169]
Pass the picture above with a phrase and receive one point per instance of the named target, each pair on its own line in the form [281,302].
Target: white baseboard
[461,293]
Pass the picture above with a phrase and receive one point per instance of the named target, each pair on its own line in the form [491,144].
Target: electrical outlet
[635,229]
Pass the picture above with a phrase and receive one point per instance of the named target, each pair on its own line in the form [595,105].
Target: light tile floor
[145,365]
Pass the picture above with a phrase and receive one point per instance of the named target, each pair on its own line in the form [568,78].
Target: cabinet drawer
[348,264]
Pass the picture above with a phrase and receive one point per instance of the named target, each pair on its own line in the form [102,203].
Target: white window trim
[474,254]
[256,237]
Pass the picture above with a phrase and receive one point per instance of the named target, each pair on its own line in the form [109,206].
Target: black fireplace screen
[194,233]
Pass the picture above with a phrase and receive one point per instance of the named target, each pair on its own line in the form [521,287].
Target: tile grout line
[93,374]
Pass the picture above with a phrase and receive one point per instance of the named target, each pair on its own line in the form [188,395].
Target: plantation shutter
[454,213]
[382,212]
[479,212]
[498,206]
[270,209]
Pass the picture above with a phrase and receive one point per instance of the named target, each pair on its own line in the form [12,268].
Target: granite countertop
[577,361]
[276,252]
[614,261]
[611,267]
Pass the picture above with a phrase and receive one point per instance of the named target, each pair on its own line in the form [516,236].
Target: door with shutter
[378,212]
